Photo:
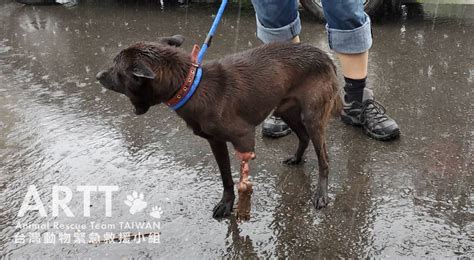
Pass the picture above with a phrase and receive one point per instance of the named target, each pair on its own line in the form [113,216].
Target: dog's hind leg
[315,122]
[225,206]
[292,116]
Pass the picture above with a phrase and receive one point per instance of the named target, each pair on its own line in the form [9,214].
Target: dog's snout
[100,75]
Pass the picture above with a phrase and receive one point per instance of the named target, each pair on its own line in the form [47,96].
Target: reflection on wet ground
[412,197]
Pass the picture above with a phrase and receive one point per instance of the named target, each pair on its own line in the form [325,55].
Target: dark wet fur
[235,95]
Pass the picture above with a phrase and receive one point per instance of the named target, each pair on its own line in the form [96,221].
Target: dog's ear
[143,71]
[175,40]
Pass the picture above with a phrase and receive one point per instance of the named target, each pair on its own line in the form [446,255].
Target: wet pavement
[409,198]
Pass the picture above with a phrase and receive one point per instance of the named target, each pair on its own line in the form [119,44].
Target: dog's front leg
[244,187]
[225,206]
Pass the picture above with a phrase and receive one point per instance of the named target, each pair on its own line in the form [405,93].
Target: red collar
[186,87]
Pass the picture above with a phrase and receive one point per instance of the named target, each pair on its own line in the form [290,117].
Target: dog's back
[273,73]
[300,59]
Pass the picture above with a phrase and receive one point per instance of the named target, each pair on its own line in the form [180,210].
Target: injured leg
[244,187]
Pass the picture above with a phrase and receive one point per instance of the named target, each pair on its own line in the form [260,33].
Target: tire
[395,7]
[372,7]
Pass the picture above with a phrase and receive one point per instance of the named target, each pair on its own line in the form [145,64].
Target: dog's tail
[334,107]
[336,102]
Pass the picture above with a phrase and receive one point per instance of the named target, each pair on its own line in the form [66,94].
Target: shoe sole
[388,137]
[275,134]
[349,121]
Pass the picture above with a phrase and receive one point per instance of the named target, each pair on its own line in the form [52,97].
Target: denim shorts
[348,26]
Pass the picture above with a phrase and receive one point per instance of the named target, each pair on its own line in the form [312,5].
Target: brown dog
[236,94]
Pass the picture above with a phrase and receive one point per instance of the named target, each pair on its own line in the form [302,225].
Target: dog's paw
[223,209]
[320,200]
[293,161]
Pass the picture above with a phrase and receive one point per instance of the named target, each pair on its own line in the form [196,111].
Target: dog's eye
[124,78]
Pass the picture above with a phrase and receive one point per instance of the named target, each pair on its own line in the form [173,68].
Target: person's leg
[354,69]
[349,35]
[277,20]
[354,66]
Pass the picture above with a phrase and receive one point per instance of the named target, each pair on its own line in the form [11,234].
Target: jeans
[348,26]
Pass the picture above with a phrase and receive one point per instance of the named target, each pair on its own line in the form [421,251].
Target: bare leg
[296,39]
[244,187]
[354,66]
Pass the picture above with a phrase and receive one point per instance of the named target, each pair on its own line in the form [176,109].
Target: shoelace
[275,119]
[372,110]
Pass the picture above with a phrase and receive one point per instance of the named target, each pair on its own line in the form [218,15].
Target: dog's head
[133,71]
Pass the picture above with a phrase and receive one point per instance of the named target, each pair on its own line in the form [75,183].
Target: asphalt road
[412,197]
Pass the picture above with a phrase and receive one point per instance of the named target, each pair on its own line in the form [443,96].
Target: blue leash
[204,47]
[212,31]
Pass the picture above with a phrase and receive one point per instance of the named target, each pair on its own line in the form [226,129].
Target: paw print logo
[156,212]
[136,202]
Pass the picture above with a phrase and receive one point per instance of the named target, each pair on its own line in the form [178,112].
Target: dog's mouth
[141,109]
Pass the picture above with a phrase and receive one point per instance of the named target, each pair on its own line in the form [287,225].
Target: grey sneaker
[371,116]
[275,127]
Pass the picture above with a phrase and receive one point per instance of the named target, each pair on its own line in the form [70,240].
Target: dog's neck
[211,87]
[171,73]
[190,83]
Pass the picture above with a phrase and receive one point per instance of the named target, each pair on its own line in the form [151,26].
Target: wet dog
[235,94]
